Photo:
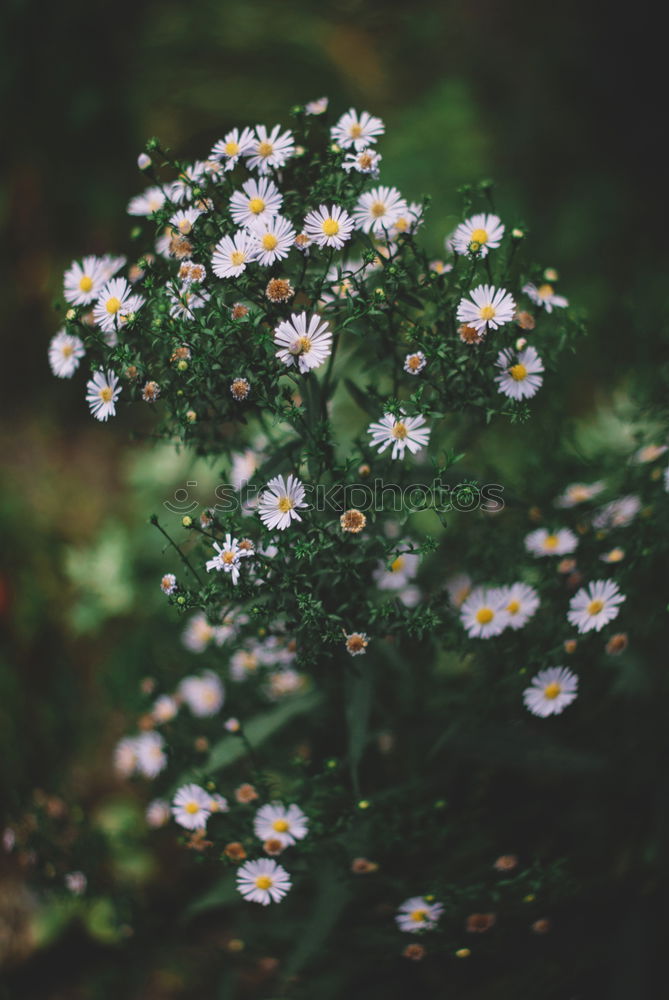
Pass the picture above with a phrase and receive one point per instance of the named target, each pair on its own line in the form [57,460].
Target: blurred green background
[557,103]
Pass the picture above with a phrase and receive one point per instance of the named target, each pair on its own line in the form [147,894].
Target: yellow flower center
[377,209]
[185,226]
[595,607]
[480,236]
[231,148]
[578,494]
[397,564]
[418,916]
[487,312]
[113,305]
[191,808]
[355,131]
[256,205]
[228,557]
[265,149]
[85,284]
[518,372]
[365,161]
[269,241]
[67,350]
[551,541]
[400,431]
[285,504]
[237,258]
[263,882]
[513,607]
[280,825]
[301,345]
[106,394]
[545,291]
[551,691]
[330,226]
[414,362]
[484,616]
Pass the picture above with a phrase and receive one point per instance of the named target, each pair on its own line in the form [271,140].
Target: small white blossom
[403,432]
[551,691]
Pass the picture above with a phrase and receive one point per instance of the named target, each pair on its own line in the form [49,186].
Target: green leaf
[231,748]
[330,901]
[222,893]
[361,398]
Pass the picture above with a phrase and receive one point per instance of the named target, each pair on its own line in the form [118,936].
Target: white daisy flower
[649,453]
[102,391]
[116,301]
[76,883]
[594,606]
[545,296]
[110,265]
[479,234]
[459,587]
[233,145]
[402,433]
[157,813]
[232,254]
[286,823]
[65,352]
[244,465]
[269,149]
[258,201]
[198,633]
[168,584]
[417,914]
[227,558]
[279,502]
[577,493]
[184,304]
[484,613]
[185,219]
[191,807]
[125,756]
[414,363]
[218,804]
[274,239]
[329,227]
[613,555]
[356,130]
[204,695]
[618,513]
[551,691]
[317,107]
[182,189]
[379,209]
[338,283]
[551,543]
[244,663]
[303,341]
[401,570]
[263,881]
[165,708]
[521,603]
[151,201]
[284,682]
[151,757]
[82,282]
[488,309]
[365,162]
[520,378]
[408,222]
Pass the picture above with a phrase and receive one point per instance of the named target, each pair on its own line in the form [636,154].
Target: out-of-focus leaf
[358,707]
[259,729]
[222,893]
[332,897]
